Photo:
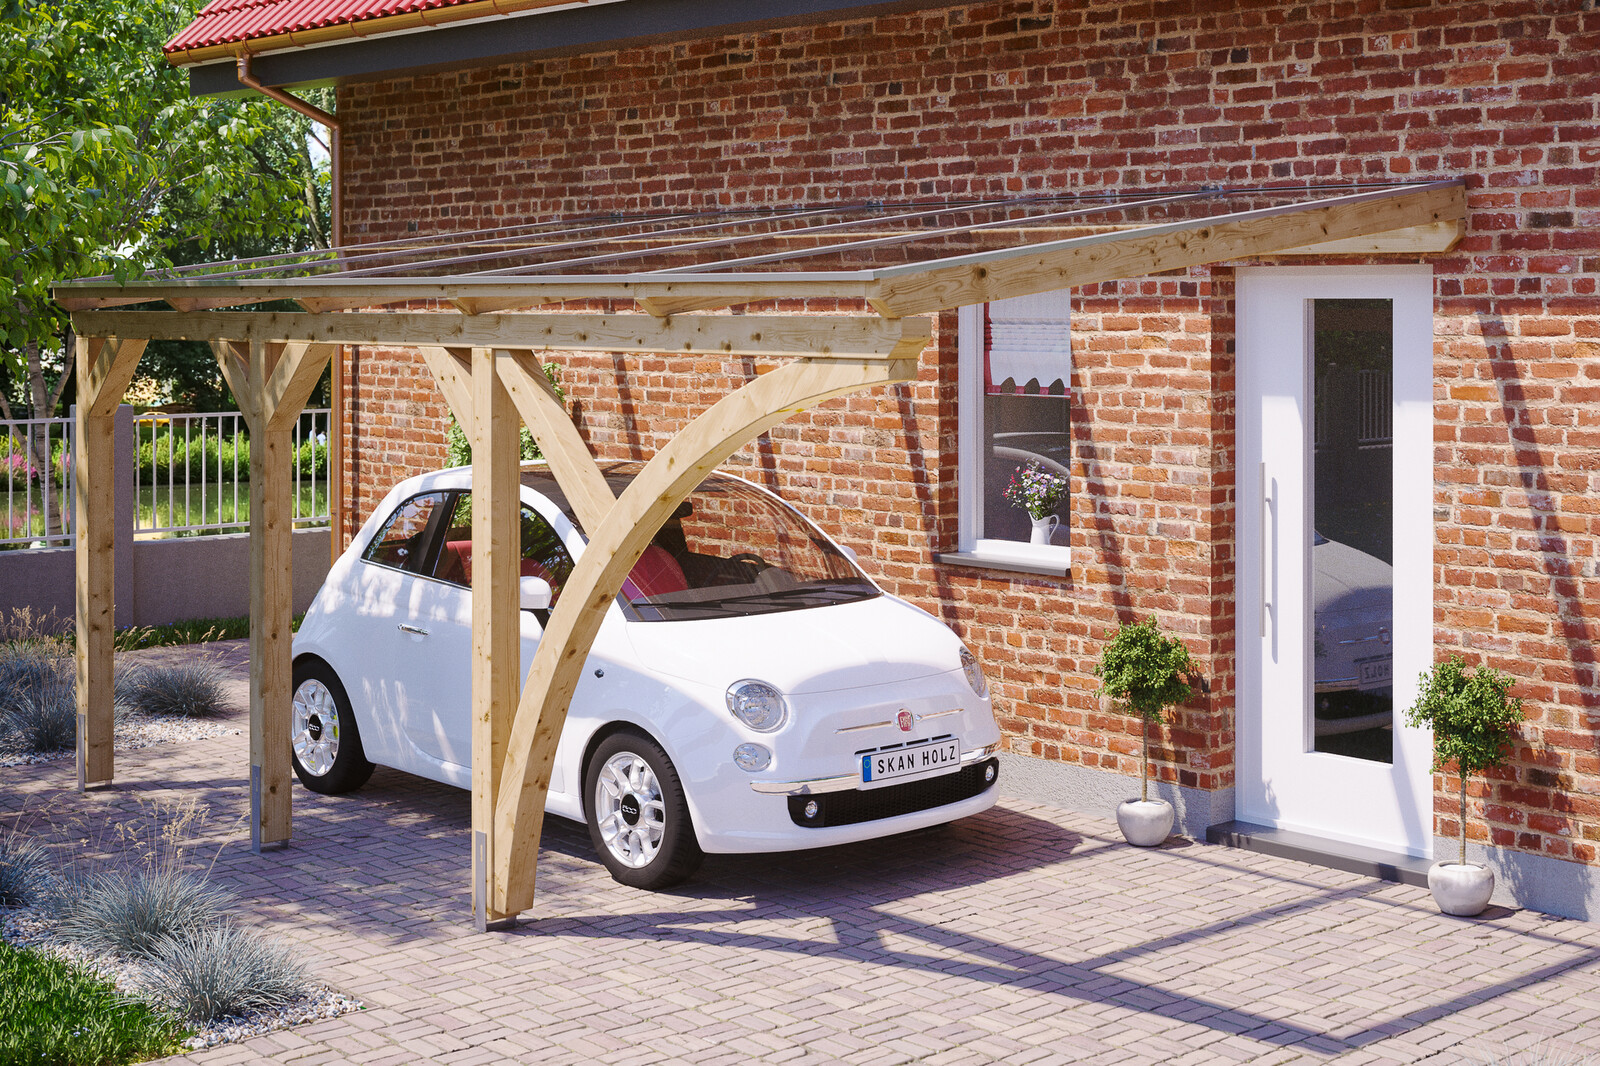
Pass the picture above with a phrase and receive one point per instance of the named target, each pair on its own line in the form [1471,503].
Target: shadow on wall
[1545,544]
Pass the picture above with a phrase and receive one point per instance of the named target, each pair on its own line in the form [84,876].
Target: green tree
[1147,673]
[1472,718]
[109,166]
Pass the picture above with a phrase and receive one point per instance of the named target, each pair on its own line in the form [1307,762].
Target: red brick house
[1325,471]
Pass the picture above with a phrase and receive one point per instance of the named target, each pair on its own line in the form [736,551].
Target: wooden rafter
[965,280]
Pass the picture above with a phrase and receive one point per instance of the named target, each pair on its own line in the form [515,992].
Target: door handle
[412,629]
[1269,547]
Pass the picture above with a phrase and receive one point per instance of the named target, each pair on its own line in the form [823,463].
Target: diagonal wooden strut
[615,544]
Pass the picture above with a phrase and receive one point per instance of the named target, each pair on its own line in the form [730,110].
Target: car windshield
[731,550]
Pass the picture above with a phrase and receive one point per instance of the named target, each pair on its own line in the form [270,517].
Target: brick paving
[1026,935]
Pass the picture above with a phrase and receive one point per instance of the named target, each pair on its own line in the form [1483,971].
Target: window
[400,543]
[543,554]
[1015,403]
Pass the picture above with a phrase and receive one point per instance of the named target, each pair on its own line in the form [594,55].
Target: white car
[750,689]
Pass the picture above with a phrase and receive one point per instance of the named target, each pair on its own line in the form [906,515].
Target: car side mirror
[849,552]
[535,593]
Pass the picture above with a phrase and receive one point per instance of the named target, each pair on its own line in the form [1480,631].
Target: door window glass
[401,540]
[1352,542]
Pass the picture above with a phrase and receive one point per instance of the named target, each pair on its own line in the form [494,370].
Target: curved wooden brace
[614,546]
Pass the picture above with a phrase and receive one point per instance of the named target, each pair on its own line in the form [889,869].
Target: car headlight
[758,705]
[974,672]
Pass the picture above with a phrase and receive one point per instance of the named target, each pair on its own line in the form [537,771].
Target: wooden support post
[272,383]
[105,366]
[615,544]
[496,624]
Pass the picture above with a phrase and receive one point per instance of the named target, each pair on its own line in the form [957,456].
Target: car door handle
[412,629]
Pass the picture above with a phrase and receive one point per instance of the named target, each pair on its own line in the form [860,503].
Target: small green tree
[458,449]
[1147,673]
[1472,718]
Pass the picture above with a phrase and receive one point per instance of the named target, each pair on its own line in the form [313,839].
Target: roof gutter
[335,238]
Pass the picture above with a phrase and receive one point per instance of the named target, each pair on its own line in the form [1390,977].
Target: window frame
[975,550]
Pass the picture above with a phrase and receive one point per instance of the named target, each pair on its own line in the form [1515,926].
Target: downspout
[336,238]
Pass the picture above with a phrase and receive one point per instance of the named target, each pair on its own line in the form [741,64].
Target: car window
[543,554]
[730,550]
[400,541]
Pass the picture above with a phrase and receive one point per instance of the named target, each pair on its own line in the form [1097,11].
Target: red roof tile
[231,21]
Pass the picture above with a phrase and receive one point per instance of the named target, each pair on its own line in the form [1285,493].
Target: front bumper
[845,782]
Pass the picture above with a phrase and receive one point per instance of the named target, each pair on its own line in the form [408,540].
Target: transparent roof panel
[806,239]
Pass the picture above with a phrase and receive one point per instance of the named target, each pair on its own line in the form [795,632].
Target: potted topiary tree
[1146,673]
[1472,717]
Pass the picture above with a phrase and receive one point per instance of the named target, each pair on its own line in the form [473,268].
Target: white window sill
[1056,562]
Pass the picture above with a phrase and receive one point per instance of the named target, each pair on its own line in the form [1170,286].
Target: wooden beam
[1426,239]
[331,293]
[496,630]
[614,546]
[956,282]
[271,599]
[569,458]
[452,372]
[844,336]
[105,366]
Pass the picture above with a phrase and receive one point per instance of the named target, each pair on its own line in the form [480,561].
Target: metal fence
[191,476]
[36,482]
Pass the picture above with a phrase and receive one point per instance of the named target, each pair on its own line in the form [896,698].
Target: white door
[1335,571]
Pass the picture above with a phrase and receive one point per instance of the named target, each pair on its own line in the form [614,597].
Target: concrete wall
[160,581]
[157,581]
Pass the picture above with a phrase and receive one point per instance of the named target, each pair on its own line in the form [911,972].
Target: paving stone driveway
[1026,935]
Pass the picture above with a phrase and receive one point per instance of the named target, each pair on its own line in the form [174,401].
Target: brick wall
[1018,98]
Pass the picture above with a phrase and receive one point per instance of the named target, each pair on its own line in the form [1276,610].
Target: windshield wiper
[853,592]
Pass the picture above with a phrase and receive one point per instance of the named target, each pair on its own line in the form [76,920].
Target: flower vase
[1043,529]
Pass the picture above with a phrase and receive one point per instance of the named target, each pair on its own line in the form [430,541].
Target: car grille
[869,805]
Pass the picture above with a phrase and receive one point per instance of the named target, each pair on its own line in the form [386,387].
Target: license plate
[1377,672]
[924,759]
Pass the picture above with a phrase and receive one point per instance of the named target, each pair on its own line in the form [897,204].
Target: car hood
[1349,579]
[821,649]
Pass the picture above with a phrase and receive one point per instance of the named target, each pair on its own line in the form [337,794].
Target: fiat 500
[751,689]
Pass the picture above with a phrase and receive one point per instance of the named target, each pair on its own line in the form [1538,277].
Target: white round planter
[1145,823]
[1462,890]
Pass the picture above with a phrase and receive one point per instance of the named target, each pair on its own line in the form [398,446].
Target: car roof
[536,475]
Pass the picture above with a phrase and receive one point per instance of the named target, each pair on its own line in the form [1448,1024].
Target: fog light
[752,758]
[988,773]
[811,809]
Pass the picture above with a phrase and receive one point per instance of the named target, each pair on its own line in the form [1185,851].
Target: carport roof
[903,258]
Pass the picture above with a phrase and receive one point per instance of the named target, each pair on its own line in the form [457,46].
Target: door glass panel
[1352,539]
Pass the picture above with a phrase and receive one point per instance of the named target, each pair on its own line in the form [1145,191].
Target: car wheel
[638,818]
[322,731]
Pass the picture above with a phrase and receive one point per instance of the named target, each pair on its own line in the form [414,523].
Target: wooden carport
[896,263]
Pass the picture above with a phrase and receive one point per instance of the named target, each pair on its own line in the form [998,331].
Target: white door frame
[1279,782]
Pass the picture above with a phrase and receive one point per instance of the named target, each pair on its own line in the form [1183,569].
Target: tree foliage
[109,166]
[1473,716]
[1145,670]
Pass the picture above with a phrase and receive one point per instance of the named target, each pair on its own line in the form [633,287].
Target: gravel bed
[137,731]
[24,927]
